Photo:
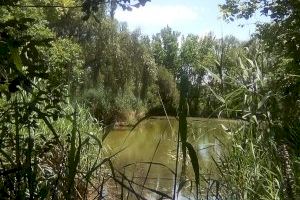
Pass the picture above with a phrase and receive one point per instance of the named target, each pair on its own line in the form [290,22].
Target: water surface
[155,140]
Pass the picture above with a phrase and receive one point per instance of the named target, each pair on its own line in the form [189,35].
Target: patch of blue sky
[197,17]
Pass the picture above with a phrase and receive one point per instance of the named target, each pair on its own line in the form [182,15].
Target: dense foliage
[68,69]
[274,94]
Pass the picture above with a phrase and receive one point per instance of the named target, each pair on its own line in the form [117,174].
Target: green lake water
[154,140]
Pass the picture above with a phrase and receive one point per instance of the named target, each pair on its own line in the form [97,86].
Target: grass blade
[195,164]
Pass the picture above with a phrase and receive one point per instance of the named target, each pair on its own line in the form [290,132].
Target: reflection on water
[150,151]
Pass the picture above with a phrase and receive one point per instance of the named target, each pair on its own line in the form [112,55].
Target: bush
[110,108]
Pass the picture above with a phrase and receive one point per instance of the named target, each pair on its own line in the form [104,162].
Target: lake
[150,151]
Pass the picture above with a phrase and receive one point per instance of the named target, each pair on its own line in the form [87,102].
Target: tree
[89,7]
[225,48]
[166,49]
[167,90]
[192,60]
[34,73]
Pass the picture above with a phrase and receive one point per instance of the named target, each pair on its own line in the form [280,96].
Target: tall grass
[249,166]
[260,162]
[36,164]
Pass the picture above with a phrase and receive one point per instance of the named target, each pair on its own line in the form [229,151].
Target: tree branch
[40,6]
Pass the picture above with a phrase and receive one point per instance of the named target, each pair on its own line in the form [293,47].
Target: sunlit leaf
[16,58]
[216,77]
[262,101]
[217,96]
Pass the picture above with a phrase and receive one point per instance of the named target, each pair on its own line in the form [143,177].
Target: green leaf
[16,58]
[217,96]
[3,87]
[262,102]
[7,156]
[245,72]
[195,163]
[255,119]
[251,63]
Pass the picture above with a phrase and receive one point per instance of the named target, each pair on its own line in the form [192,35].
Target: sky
[186,16]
